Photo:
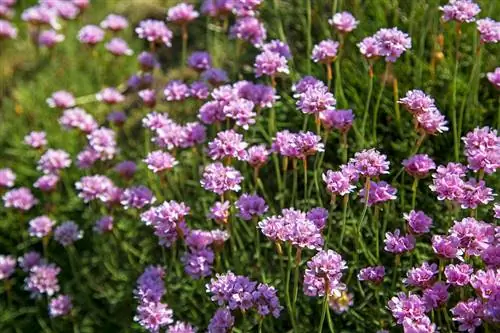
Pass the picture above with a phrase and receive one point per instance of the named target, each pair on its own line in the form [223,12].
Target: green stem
[414,192]
[323,314]
[306,192]
[295,180]
[298,259]
[379,99]
[308,34]
[345,202]
[287,288]
[456,143]
[367,103]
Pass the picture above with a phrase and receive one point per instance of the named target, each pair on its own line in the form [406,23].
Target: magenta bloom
[494,77]
[103,141]
[211,112]
[61,99]
[198,263]
[419,165]
[250,206]
[182,14]
[94,187]
[405,306]
[41,15]
[49,38]
[181,327]
[489,30]
[245,7]
[316,99]
[266,300]
[379,192]
[397,244]
[79,119]
[323,274]
[90,35]
[114,23]
[270,64]
[60,306]
[54,160]
[7,177]
[486,282]
[420,325]
[435,296]
[258,155]
[7,30]
[369,47]
[446,246]
[468,314]
[460,11]
[154,31]
[176,90]
[199,90]
[43,280]
[232,290]
[137,197]
[110,96]
[118,47]
[227,145]
[340,120]
[104,225]
[370,163]
[423,276]
[325,52]
[343,22]
[482,148]
[19,198]
[279,47]
[249,29]
[337,183]
[458,275]
[219,179]
[147,61]
[153,316]
[418,222]
[304,84]
[241,110]
[261,95]
[474,236]
[219,211]
[200,61]
[7,266]
[67,10]
[158,161]
[432,122]
[40,226]
[417,102]
[373,274]
[46,183]
[392,43]
[222,321]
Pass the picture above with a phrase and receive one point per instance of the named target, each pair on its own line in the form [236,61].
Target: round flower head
[494,77]
[19,198]
[392,43]
[158,161]
[7,30]
[137,197]
[249,29]
[7,266]
[147,61]
[86,158]
[458,275]
[435,296]
[246,7]
[118,47]
[67,233]
[126,169]
[211,112]
[182,14]
[370,163]
[233,290]
[489,30]
[7,177]
[446,246]
[405,306]
[153,315]
[418,222]
[318,216]
[228,144]
[325,52]
[41,15]
[40,226]
[46,183]
[110,96]
[417,102]
[103,141]
[261,95]
[176,90]
[200,61]
[337,183]
[304,84]
[79,119]
[316,99]
[5,11]
[266,301]
[199,90]
[323,274]
[114,23]
[279,47]
[219,179]
[343,22]
[419,165]
[422,276]
[82,4]
[460,11]
[219,211]
[53,160]
[373,274]
[155,32]
[215,76]
[482,148]
[270,64]
[379,192]
[90,35]
[43,280]
[67,10]
[198,263]
[60,306]
[397,244]
[250,206]
[340,120]
[148,97]
[257,156]
[104,225]
[94,187]
[49,38]
[468,314]
[342,302]
[181,327]
[193,134]
[30,260]
[61,99]
[369,47]
[241,110]
[222,321]
[150,286]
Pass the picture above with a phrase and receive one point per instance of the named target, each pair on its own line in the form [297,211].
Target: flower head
[154,31]
[68,233]
[60,306]
[343,22]
[90,35]
[460,11]
[19,198]
[325,52]
[43,280]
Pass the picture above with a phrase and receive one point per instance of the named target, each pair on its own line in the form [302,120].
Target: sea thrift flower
[315,100]
[199,90]
[7,266]
[341,120]
[137,197]
[491,256]
[446,246]
[104,225]
[486,282]
[86,158]
[182,14]
[474,194]
[158,161]
[150,286]
[432,122]
[153,316]
[337,183]
[46,183]
[176,91]
[266,301]
[419,165]
[489,30]
[60,306]
[379,193]
[397,244]
[211,112]
[19,198]
[67,233]
[61,99]
[458,275]
[7,30]
[343,22]
[90,35]
[270,64]
[29,260]
[110,96]
[126,169]
[36,139]
[325,52]
[257,155]
[468,314]
[228,144]
[220,211]
[405,306]
[417,102]
[249,29]
[219,179]
[49,38]
[7,177]
[460,11]
[41,15]
[370,163]
[241,110]
[181,327]
[222,321]
[200,61]
[304,84]
[373,274]
[233,290]
[147,61]
[114,23]
[40,226]
[103,141]
[53,160]
[392,43]
[435,296]
[369,47]
[67,10]
[198,262]
[420,325]
[279,47]
[94,187]
[155,32]
[422,276]
[263,96]
[250,206]
[118,47]
[494,77]
[318,216]
[482,148]
[215,76]
[323,274]
[43,280]
[193,134]
[342,302]
[79,119]
[418,222]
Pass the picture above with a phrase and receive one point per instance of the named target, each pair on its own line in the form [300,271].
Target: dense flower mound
[249,166]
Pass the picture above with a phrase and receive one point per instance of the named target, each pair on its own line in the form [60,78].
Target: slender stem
[287,288]
[456,143]
[306,192]
[329,74]
[184,44]
[345,202]
[414,192]
[295,180]
[298,259]
[379,98]
[396,99]
[367,103]
[308,34]
[376,231]
[323,314]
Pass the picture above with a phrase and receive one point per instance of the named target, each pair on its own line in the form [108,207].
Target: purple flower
[378,193]
[316,99]
[344,22]
[341,120]
[67,233]
[198,263]
[325,52]
[90,35]
[323,274]
[67,10]
[7,30]
[369,47]
[304,84]
[168,221]
[94,187]
[219,211]
[491,256]
[432,122]
[241,110]
[153,316]
[474,236]
[482,148]
[417,102]
[137,197]
[232,290]
[227,145]
[114,23]
[219,179]
[342,302]
[40,226]
[29,260]
[182,14]
[211,112]
[200,61]
[118,47]
[318,216]
[158,161]
[486,282]
[460,11]
[492,308]
[392,43]
[49,38]
[489,30]
[261,95]
[19,198]
[104,225]
[257,156]
[397,244]
[370,163]
[176,91]
[435,296]
[36,139]
[270,64]
[373,274]
[60,306]
[468,314]
[215,76]
[147,61]
[405,306]
[53,160]
[79,119]
[7,177]
[193,134]
[446,246]
[266,300]
[86,158]
[110,96]
[150,286]
[494,77]
[419,165]
[41,15]
[279,47]
[43,280]
[103,141]
[154,31]
[181,327]
[126,169]
[249,29]
[169,136]
[420,325]
[422,277]
[7,266]
[199,90]
[244,8]
[221,322]
[250,206]
[418,222]
[458,275]
[198,239]
[337,183]
[61,99]
[474,194]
